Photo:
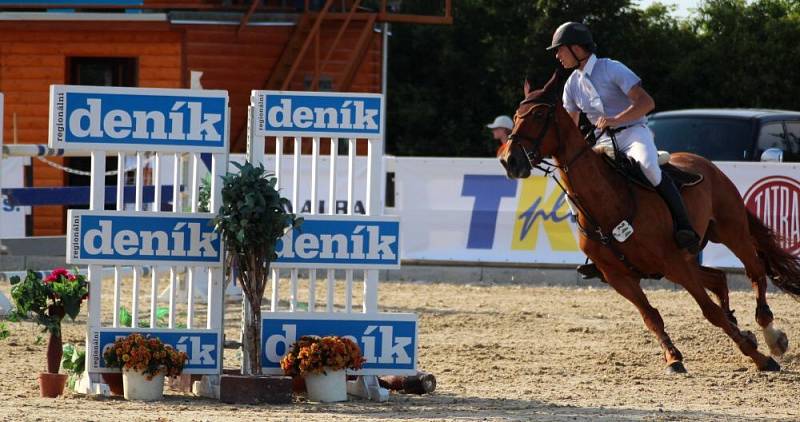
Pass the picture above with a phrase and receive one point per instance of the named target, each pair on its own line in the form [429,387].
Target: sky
[684,7]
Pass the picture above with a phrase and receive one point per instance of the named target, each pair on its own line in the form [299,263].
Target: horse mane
[550,93]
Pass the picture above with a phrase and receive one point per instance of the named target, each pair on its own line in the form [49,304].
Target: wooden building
[238,45]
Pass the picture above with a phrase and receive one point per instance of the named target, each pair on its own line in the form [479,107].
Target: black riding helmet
[571,33]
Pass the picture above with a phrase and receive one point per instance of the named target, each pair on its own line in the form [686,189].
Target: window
[103,71]
[793,141]
[771,136]
[99,71]
[715,138]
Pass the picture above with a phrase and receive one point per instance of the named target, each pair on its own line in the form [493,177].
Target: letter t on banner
[487,190]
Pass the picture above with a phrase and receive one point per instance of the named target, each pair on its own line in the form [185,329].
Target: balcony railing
[400,11]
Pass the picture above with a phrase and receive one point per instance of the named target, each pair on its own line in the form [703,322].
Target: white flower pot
[138,387]
[327,387]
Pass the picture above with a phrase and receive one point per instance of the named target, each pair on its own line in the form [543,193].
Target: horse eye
[537,114]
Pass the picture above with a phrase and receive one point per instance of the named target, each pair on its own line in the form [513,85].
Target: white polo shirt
[600,89]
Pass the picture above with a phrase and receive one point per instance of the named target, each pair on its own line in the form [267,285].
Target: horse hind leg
[716,282]
[690,277]
[776,339]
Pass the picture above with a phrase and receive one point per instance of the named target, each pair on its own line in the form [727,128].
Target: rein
[595,231]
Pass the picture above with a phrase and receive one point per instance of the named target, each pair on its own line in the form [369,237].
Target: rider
[612,97]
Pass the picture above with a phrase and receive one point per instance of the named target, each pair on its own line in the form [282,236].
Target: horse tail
[781,266]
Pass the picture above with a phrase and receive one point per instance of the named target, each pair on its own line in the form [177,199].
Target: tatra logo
[93,121]
[186,239]
[339,246]
[776,201]
[350,115]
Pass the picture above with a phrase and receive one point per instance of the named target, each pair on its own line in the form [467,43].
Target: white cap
[501,121]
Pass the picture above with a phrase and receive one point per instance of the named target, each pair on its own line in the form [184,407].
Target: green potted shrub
[48,301]
[251,220]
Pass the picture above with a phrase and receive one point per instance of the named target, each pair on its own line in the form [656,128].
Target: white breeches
[637,142]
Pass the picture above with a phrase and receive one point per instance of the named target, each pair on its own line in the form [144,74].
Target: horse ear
[555,86]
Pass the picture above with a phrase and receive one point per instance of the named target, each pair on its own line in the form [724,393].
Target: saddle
[630,169]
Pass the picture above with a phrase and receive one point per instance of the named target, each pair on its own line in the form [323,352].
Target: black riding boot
[589,270]
[685,236]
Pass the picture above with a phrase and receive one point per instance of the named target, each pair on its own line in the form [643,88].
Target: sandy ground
[500,352]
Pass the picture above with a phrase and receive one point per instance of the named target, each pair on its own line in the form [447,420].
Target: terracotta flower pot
[52,385]
[114,382]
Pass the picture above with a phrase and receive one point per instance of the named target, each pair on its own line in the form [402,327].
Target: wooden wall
[33,55]
[235,62]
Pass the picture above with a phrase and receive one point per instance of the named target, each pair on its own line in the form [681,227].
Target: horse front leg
[630,289]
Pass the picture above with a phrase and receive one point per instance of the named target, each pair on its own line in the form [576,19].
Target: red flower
[57,273]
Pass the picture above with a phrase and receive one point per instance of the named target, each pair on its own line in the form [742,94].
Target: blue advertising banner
[388,341]
[138,119]
[202,346]
[323,114]
[341,241]
[123,238]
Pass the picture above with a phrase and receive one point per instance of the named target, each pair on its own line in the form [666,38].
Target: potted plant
[323,362]
[144,362]
[251,220]
[48,301]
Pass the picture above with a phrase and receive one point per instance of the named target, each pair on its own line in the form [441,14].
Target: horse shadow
[446,406]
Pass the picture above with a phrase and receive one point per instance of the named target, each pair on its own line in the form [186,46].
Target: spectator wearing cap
[501,127]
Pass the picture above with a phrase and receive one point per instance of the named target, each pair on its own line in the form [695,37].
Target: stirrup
[589,271]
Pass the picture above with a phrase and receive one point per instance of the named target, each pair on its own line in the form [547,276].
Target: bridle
[535,159]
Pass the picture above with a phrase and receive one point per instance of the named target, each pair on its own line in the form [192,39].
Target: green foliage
[73,361]
[204,194]
[162,318]
[124,318]
[253,215]
[4,331]
[48,300]
[447,82]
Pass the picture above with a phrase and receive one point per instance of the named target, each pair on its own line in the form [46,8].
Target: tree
[447,82]
[252,218]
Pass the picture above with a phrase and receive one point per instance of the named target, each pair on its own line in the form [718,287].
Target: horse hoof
[771,366]
[676,368]
[777,341]
[751,338]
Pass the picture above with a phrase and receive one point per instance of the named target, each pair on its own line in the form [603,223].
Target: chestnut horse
[604,198]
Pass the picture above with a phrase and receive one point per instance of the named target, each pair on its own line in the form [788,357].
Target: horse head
[535,134]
